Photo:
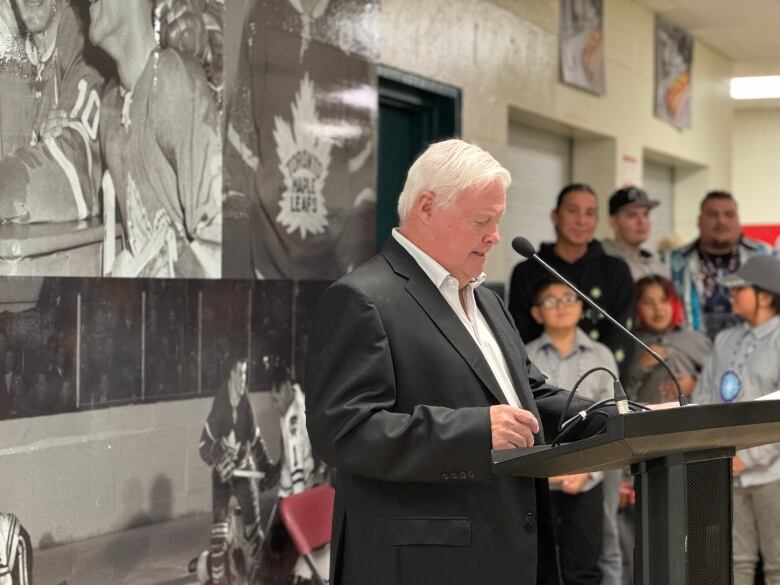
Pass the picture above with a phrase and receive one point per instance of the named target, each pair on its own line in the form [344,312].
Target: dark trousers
[579,529]
[246,492]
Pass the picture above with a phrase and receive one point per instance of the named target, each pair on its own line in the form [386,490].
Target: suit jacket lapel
[507,341]
[432,302]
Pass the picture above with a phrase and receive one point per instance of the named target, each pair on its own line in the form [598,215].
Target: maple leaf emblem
[304,160]
[231,445]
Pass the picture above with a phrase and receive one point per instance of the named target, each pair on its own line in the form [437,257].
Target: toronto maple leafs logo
[304,160]
[310,10]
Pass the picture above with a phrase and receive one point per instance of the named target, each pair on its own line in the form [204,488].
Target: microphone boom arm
[680,395]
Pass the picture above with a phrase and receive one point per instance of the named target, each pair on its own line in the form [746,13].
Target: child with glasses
[584,504]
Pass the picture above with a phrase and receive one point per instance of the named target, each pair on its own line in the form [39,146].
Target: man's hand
[737,466]
[54,124]
[512,427]
[570,484]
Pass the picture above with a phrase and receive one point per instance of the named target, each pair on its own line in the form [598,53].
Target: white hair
[446,169]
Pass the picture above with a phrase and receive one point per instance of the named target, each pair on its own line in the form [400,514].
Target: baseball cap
[630,196]
[761,271]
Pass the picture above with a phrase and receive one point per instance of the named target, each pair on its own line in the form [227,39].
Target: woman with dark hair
[661,325]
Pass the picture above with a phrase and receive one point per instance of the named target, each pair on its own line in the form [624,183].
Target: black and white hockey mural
[179,182]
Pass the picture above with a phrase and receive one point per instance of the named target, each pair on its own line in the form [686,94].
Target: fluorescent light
[755,88]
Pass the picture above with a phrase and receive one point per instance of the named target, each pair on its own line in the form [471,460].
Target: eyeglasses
[553,303]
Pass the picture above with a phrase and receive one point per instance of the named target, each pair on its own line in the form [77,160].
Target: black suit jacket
[398,401]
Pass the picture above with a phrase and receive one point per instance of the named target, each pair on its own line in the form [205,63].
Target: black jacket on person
[606,279]
[398,401]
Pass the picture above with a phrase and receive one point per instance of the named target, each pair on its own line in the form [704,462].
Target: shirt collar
[582,342]
[767,327]
[435,271]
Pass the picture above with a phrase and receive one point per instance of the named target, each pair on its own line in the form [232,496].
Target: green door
[413,113]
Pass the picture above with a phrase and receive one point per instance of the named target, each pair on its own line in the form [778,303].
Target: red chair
[308,517]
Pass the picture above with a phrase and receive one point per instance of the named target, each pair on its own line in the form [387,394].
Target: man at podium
[415,373]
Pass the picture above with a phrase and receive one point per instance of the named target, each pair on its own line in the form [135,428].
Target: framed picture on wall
[582,44]
[673,79]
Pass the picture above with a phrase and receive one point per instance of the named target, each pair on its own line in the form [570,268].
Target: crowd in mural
[147,340]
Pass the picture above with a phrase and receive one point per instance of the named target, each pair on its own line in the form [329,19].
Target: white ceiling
[747,31]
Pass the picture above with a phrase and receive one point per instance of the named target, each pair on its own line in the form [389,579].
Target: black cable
[583,415]
[559,439]
[574,391]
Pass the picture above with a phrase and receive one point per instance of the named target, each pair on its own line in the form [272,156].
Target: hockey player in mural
[232,445]
[15,552]
[160,139]
[299,142]
[299,472]
[54,98]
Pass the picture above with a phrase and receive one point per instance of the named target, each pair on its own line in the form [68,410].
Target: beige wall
[756,165]
[504,54]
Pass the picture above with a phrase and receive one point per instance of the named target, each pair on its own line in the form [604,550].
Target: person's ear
[764,299]
[536,313]
[423,206]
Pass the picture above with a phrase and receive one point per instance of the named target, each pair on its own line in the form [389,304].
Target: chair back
[308,517]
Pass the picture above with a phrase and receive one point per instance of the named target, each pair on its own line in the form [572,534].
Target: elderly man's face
[38,15]
[465,231]
[719,224]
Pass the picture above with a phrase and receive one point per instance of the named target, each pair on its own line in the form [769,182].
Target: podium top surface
[641,436]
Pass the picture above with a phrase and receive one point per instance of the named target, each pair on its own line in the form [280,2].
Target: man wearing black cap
[629,217]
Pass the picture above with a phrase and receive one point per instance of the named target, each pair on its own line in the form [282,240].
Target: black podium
[681,459]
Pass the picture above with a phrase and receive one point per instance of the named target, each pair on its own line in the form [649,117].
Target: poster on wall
[582,44]
[673,70]
[300,141]
[96,180]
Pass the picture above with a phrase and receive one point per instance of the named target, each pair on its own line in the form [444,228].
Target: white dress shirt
[471,317]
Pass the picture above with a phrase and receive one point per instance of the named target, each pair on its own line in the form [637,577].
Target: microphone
[526,249]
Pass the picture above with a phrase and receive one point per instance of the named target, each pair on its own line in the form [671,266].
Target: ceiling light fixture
[755,88]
